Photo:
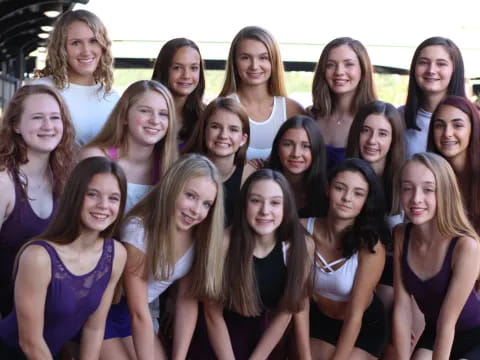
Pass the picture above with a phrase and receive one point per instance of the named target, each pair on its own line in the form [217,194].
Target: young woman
[266,266]
[436,71]
[347,319]
[174,233]
[455,134]
[79,64]
[436,262]
[65,278]
[180,67]
[255,77]
[222,135]
[139,135]
[342,82]
[35,159]
[298,152]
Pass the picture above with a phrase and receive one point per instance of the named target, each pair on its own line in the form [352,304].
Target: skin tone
[426,254]
[224,136]
[433,71]
[264,214]
[375,140]
[147,121]
[452,129]
[99,210]
[191,208]
[342,74]
[296,158]
[41,128]
[83,53]
[347,194]
[183,77]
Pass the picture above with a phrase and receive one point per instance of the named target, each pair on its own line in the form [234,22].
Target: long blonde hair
[276,83]
[114,132]
[56,64]
[155,212]
[451,217]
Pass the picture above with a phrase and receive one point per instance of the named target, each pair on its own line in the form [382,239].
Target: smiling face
[40,124]
[83,53]
[264,210]
[194,202]
[433,70]
[184,72]
[253,62]
[295,151]
[224,133]
[375,139]
[147,119]
[101,202]
[451,132]
[418,193]
[347,194]
[343,71]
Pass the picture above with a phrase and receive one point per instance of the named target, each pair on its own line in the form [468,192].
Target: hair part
[276,83]
[323,98]
[455,87]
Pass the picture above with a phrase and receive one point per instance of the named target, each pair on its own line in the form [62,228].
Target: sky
[389,29]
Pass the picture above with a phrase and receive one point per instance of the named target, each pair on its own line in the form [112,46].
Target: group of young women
[151,226]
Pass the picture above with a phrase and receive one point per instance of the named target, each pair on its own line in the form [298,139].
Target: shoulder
[7,188]
[365,255]
[466,248]
[310,246]
[293,108]
[120,256]
[87,152]
[35,259]
[247,171]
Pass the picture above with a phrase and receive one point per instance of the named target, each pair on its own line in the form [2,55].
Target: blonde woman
[79,65]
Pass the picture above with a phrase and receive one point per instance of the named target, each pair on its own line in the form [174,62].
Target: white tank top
[262,133]
[333,284]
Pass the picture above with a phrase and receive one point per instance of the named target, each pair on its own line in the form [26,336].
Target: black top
[231,189]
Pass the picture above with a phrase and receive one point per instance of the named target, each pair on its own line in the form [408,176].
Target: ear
[244,139]
[16,130]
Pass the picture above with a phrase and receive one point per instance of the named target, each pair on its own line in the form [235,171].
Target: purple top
[70,300]
[21,225]
[335,155]
[429,294]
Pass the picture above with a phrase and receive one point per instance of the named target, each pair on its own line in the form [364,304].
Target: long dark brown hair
[241,288]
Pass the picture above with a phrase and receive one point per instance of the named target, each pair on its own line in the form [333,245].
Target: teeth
[85,61]
[152,130]
[223,145]
[99,216]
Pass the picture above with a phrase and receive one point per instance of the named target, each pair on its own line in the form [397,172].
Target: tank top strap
[406,241]
[112,153]
[310,225]
[451,248]
[54,258]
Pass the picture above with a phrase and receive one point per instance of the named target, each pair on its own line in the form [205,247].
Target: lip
[449,143]
[87,61]
[187,220]
[368,150]
[152,131]
[99,216]
[343,207]
[340,82]
[296,163]
[184,84]
[223,145]
[417,211]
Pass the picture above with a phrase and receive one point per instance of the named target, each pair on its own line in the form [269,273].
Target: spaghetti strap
[310,224]
[327,265]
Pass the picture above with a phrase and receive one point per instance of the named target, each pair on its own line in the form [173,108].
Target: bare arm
[145,340]
[302,332]
[465,271]
[31,284]
[402,306]
[247,171]
[217,331]
[370,267]
[94,328]
[294,108]
[185,319]
[87,152]
[7,200]
[271,336]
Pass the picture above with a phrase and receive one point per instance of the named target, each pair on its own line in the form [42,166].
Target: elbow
[28,346]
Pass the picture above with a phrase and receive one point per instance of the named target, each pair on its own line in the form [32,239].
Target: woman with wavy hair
[343,81]
[255,78]
[180,67]
[36,156]
[436,261]
[79,64]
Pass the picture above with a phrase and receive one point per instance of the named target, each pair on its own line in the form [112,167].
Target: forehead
[105,182]
[377,121]
[251,46]
[40,103]
[267,188]
[203,185]
[342,52]
[79,29]
[435,52]
[298,134]
[416,172]
[352,179]
[186,54]
[151,97]
[224,116]
[448,112]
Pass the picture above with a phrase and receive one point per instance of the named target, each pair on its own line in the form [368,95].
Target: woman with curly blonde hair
[79,65]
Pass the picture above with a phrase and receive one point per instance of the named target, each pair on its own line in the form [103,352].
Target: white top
[416,141]
[89,107]
[135,193]
[333,284]
[133,233]
[262,133]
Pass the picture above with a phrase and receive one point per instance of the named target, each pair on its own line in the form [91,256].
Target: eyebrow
[266,197]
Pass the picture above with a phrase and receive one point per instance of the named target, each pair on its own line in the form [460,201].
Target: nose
[46,123]
[339,69]
[417,196]
[186,73]
[347,196]
[431,67]
[448,132]
[372,137]
[264,208]
[253,63]
[223,133]
[102,202]
[195,207]
[296,151]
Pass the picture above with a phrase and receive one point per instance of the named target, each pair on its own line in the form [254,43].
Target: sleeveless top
[333,284]
[271,275]
[133,233]
[231,193]
[21,225]
[262,133]
[70,299]
[135,192]
[335,155]
[429,294]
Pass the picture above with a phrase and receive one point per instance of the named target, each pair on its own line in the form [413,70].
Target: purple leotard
[70,300]
[21,225]
[430,294]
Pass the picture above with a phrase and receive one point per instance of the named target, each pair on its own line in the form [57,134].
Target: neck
[343,104]
[37,165]
[179,102]
[431,101]
[427,233]
[264,243]
[254,94]
[378,167]
[336,227]
[86,240]
[224,164]
[459,164]
[81,80]
[138,153]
